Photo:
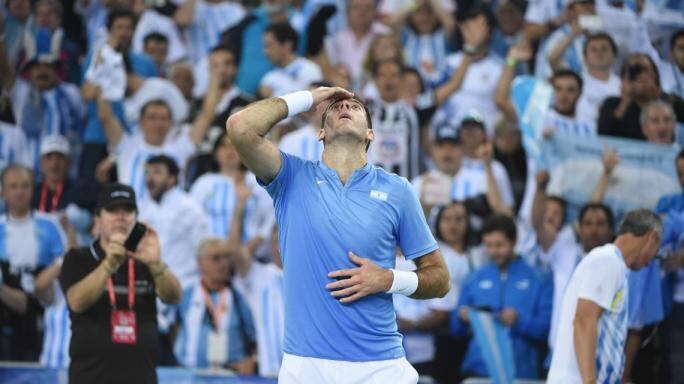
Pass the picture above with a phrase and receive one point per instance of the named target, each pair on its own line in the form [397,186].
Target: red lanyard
[55,198]
[218,312]
[131,287]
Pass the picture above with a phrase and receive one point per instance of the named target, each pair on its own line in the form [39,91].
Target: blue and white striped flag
[495,346]
[531,98]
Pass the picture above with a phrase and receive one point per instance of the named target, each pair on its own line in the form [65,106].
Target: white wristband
[404,282]
[298,102]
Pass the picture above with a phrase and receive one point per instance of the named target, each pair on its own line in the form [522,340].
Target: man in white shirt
[562,116]
[156,135]
[292,73]
[179,221]
[593,322]
[599,80]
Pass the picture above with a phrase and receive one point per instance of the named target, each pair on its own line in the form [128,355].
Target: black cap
[447,134]
[116,194]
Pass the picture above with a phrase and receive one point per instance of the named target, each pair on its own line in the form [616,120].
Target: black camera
[135,237]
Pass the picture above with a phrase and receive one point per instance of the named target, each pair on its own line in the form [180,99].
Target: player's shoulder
[390,179]
[605,256]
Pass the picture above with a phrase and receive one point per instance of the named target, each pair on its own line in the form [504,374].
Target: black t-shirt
[629,125]
[94,357]
[81,193]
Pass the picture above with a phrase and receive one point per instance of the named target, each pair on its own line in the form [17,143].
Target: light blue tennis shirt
[319,222]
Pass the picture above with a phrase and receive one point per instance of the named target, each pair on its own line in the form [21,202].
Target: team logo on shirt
[617,301]
[522,284]
[378,195]
[486,284]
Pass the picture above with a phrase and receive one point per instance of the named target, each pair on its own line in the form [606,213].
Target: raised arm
[556,53]
[545,235]
[185,14]
[203,121]
[486,154]
[248,128]
[502,96]
[610,160]
[112,127]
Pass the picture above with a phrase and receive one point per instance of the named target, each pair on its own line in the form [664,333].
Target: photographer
[114,335]
[620,116]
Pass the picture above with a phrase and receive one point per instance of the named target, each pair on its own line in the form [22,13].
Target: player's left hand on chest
[366,279]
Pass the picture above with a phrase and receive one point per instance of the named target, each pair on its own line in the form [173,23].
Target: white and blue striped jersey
[303,142]
[55,353]
[419,49]
[217,196]
[567,125]
[602,278]
[211,19]
[132,153]
[29,244]
[13,147]
[191,348]
[262,287]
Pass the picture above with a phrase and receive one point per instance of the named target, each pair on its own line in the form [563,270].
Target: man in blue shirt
[328,213]
[519,296]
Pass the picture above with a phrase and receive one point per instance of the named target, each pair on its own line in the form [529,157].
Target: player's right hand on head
[321,94]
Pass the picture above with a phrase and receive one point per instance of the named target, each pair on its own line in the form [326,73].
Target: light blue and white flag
[531,98]
[646,171]
[495,346]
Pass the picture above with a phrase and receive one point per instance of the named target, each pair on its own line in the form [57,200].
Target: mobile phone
[634,70]
[590,22]
[135,236]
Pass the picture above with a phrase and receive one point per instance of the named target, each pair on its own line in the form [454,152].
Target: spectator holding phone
[114,335]
[620,116]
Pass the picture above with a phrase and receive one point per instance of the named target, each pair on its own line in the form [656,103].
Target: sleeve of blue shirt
[663,205]
[278,186]
[415,237]
[458,327]
[536,325]
[55,241]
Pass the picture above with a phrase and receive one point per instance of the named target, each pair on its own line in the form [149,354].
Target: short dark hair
[119,13]
[560,201]
[283,33]
[639,222]
[468,235]
[228,49]
[375,68]
[16,167]
[156,103]
[594,207]
[166,161]
[678,34]
[600,36]
[157,37]
[500,223]
[410,70]
[567,73]
[369,120]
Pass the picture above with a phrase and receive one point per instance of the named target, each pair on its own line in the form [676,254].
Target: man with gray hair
[658,121]
[593,321]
